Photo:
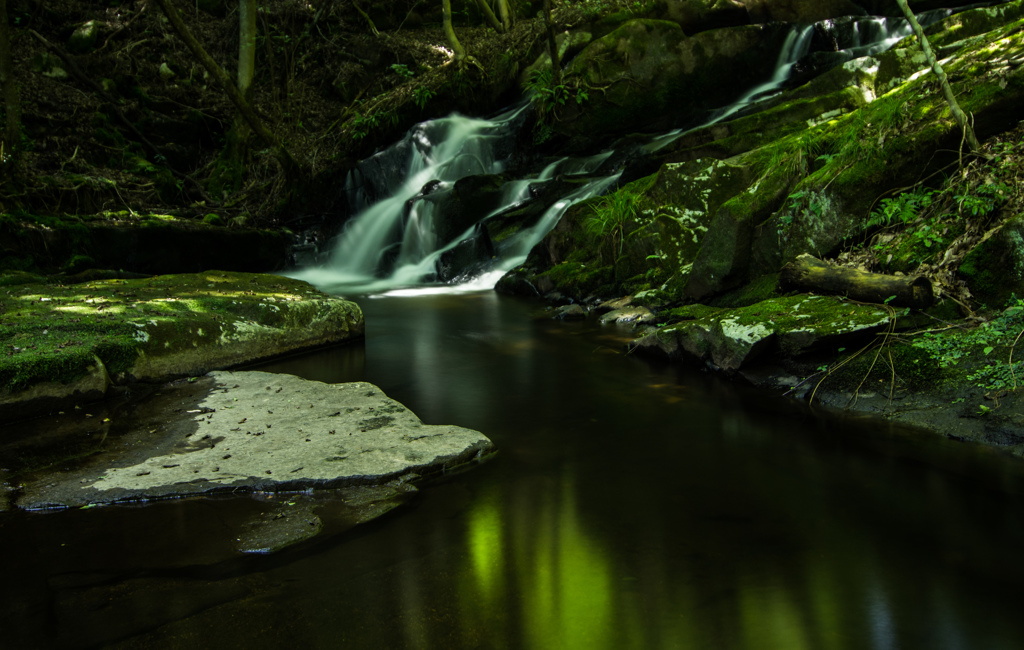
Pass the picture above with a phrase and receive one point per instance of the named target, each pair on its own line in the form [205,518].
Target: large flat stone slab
[72,342]
[242,432]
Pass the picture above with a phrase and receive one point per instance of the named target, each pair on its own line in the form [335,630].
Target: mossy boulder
[675,213]
[890,143]
[121,331]
[728,339]
[723,261]
[994,270]
[961,31]
[669,212]
[647,75]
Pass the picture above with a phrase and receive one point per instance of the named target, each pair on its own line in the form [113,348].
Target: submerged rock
[246,432]
[629,314]
[571,312]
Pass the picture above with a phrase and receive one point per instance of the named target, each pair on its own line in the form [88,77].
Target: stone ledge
[154,329]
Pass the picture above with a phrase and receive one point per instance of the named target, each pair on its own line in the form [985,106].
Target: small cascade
[392,239]
[529,238]
[872,35]
[795,47]
[393,243]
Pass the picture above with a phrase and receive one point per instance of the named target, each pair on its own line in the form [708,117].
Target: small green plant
[361,124]
[610,216]
[807,205]
[901,209]
[508,65]
[984,200]
[548,97]
[421,96]
[402,70]
[995,340]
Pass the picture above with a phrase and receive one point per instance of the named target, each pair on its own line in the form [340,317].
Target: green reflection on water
[561,576]
[771,619]
[486,548]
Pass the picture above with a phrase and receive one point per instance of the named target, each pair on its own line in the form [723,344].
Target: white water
[391,245]
[797,45]
[444,150]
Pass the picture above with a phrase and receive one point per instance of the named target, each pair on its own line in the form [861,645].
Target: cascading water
[392,241]
[796,45]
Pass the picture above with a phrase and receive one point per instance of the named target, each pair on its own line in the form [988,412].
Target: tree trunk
[246,44]
[489,16]
[12,103]
[807,273]
[236,149]
[280,152]
[505,14]
[449,31]
[954,107]
[556,66]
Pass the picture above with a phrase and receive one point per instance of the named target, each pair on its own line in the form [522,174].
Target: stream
[632,504]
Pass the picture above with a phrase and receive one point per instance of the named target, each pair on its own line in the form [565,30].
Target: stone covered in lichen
[994,270]
[730,338]
[155,329]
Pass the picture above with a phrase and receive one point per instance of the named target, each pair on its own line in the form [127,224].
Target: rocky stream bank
[852,158]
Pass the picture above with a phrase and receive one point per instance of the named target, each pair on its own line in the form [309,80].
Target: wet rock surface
[255,431]
[319,456]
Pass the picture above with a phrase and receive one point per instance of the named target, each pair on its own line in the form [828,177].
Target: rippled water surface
[632,505]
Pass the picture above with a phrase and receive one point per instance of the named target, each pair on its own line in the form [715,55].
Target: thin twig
[1012,347]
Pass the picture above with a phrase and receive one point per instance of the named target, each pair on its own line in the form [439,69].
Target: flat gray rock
[257,431]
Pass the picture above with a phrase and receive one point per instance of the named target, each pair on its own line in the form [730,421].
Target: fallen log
[808,273]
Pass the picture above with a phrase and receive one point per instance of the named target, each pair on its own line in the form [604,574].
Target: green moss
[762,288]
[60,349]
[14,278]
[79,263]
[958,359]
[578,279]
[689,312]
[876,369]
[54,333]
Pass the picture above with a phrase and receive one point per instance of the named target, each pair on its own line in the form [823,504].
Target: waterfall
[796,45]
[392,242]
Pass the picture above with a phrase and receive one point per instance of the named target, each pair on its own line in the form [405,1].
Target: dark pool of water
[632,505]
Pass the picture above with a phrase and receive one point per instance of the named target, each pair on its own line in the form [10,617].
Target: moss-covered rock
[723,261]
[730,338]
[647,74]
[83,39]
[994,270]
[155,329]
[890,143]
